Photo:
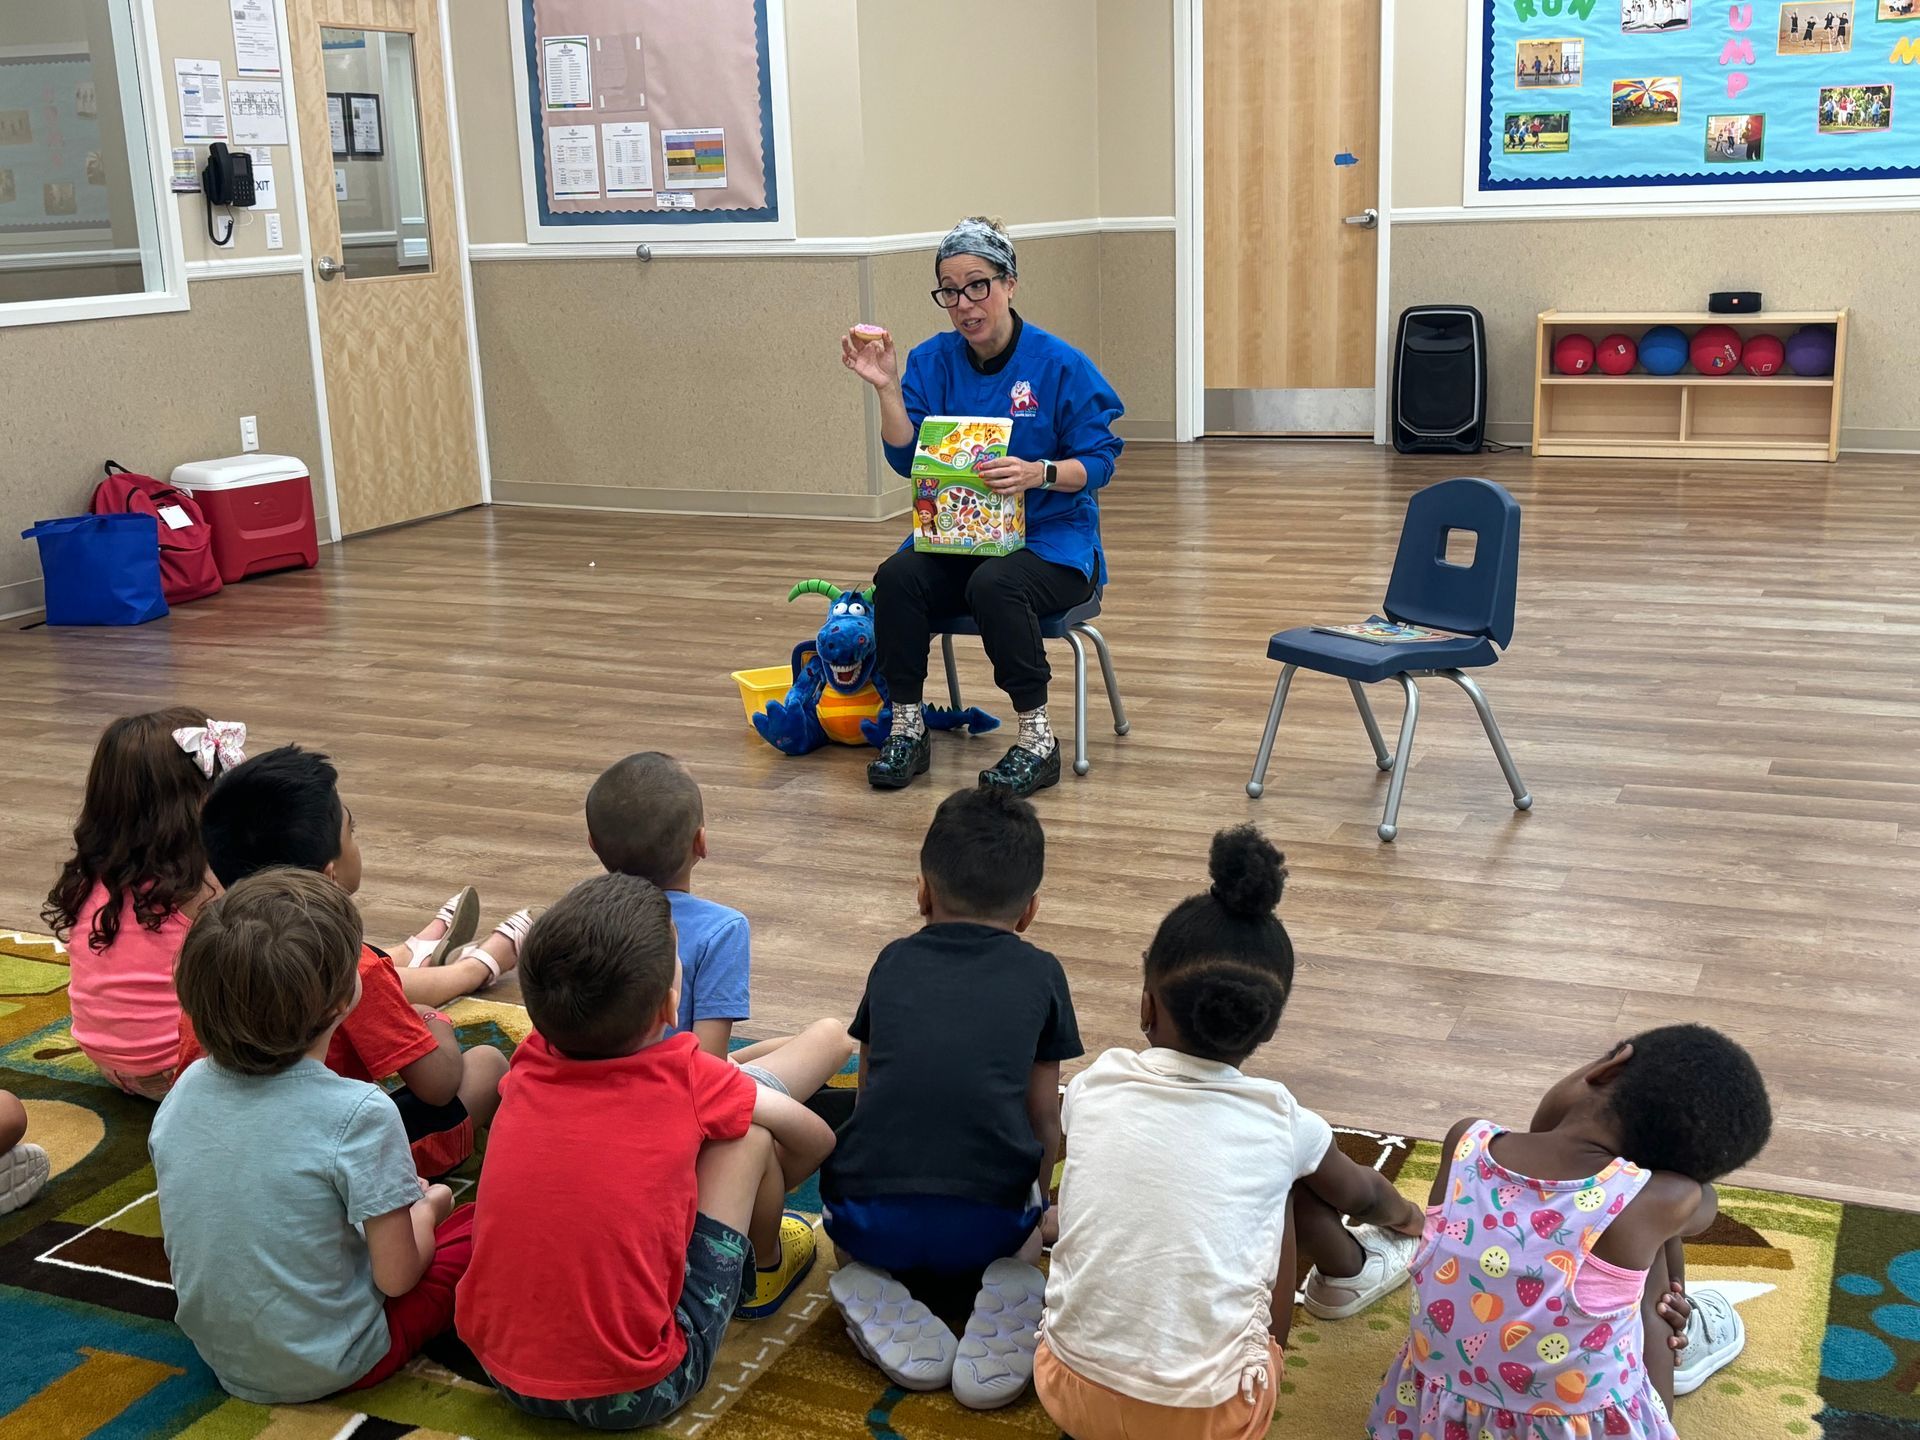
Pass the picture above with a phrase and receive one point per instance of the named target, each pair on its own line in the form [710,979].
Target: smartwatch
[1051,474]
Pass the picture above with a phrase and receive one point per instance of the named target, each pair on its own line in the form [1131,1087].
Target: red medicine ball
[1616,355]
[1573,355]
[1716,350]
[1764,355]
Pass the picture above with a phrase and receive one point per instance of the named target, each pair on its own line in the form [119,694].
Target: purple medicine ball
[1810,350]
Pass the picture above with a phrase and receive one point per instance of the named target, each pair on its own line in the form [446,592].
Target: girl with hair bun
[1191,1188]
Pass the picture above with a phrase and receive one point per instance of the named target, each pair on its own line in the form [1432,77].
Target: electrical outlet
[249,432]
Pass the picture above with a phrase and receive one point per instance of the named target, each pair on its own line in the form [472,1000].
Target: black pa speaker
[1440,381]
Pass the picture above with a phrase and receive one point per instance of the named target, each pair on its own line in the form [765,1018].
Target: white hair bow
[217,745]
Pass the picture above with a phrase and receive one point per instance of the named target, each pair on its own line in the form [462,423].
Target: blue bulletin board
[1661,96]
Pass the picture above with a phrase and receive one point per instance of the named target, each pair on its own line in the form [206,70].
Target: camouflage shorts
[719,1275]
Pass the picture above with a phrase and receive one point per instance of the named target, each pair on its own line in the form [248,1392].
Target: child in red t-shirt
[634,1165]
[283,808]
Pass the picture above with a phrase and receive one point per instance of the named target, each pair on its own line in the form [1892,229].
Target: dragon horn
[866,594]
[813,587]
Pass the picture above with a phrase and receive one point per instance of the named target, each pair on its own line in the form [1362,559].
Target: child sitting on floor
[24,1167]
[637,1175]
[307,1255]
[1189,1185]
[944,1168]
[136,879]
[1553,1254]
[645,817]
[284,808]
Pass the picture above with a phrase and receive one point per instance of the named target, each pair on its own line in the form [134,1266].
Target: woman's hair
[1692,1101]
[1221,963]
[139,828]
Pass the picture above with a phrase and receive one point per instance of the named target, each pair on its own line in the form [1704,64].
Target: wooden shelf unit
[1688,415]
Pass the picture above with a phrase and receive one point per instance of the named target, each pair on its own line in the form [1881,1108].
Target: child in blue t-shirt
[645,817]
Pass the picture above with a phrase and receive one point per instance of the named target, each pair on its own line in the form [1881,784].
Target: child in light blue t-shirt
[307,1254]
[645,817]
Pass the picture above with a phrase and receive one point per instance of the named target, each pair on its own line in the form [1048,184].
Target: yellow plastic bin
[757,687]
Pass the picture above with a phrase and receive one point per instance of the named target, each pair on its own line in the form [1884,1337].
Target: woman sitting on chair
[1063,450]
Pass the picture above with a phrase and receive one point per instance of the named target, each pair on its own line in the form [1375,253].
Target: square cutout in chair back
[1458,547]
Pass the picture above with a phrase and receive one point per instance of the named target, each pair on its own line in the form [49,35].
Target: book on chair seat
[1378,630]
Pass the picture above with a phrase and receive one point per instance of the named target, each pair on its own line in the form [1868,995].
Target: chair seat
[1052,627]
[1366,662]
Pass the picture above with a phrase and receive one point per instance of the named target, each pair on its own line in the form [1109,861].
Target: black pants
[1006,595]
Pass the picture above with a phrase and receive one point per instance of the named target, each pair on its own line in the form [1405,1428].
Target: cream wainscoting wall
[1512,266]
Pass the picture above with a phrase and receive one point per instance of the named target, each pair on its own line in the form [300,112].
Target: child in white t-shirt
[1190,1187]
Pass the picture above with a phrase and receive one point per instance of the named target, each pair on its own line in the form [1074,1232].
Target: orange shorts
[1088,1410]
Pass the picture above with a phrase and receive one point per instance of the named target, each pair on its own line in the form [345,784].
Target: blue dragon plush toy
[838,694]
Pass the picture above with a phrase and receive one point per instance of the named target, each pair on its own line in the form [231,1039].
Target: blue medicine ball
[1663,350]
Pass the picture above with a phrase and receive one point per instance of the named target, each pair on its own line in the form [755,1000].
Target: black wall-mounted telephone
[227,179]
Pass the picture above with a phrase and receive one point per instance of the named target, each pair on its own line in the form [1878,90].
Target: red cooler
[260,508]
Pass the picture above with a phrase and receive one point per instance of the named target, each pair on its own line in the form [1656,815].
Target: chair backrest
[1428,589]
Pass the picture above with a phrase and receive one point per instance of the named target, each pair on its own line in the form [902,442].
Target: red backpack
[187,571]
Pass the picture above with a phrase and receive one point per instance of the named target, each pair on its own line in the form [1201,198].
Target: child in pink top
[1549,1285]
[138,875]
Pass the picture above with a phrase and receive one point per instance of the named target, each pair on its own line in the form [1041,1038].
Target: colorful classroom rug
[1830,1293]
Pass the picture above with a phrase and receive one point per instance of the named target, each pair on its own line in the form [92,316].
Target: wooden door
[393,329]
[1291,112]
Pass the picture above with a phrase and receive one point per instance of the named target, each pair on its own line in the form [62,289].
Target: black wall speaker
[1440,381]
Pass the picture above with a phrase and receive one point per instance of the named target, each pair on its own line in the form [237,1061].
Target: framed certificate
[365,139]
[337,124]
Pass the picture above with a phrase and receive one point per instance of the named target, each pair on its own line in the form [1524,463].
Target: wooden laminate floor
[1714,694]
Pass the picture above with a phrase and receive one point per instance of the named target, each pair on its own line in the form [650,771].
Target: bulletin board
[653,117]
[53,179]
[1672,99]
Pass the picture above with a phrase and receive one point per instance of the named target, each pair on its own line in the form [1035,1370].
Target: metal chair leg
[1403,752]
[1258,783]
[953,672]
[1522,800]
[1080,762]
[1380,755]
[1120,722]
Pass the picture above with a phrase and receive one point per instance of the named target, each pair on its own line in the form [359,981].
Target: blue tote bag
[100,569]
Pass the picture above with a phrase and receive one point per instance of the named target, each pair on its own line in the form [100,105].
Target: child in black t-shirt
[945,1166]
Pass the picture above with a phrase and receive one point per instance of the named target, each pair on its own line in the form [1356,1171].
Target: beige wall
[1136,107]
[1513,269]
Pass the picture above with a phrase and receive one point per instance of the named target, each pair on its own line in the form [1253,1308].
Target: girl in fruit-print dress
[1549,1252]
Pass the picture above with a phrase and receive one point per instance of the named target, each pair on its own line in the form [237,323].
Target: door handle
[326,267]
[1367,219]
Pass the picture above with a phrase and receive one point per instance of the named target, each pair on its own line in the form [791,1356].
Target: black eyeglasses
[946,297]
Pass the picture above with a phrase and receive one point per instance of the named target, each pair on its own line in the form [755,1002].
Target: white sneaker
[893,1330]
[994,1364]
[1389,1257]
[1715,1336]
[23,1175]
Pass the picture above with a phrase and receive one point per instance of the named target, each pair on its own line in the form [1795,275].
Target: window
[82,228]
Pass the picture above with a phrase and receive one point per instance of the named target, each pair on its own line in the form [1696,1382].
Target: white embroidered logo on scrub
[1023,401]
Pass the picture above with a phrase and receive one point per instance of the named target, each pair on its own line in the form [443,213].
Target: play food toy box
[954,511]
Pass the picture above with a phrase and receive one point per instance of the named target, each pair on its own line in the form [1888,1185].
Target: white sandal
[514,929]
[461,917]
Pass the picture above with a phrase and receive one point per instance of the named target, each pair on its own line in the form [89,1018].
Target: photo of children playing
[1735,139]
[1546,133]
[1856,109]
[1897,9]
[1647,102]
[1640,16]
[1546,63]
[1816,29]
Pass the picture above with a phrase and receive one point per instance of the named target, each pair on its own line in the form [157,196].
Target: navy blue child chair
[1073,626]
[1475,601]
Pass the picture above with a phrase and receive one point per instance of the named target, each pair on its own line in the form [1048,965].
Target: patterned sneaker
[994,1364]
[1388,1256]
[892,1329]
[772,1287]
[1024,772]
[901,759]
[23,1175]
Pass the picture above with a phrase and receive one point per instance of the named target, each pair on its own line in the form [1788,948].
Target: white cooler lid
[237,472]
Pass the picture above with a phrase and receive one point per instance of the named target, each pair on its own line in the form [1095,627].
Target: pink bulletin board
[652,117]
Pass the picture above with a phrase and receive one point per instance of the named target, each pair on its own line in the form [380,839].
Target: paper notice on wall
[186,171]
[671,200]
[567,63]
[629,153]
[256,37]
[259,112]
[339,182]
[573,161]
[696,159]
[337,122]
[203,101]
[263,191]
